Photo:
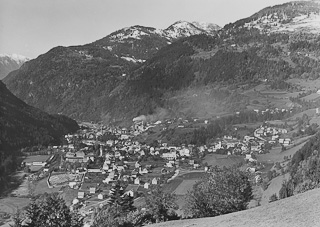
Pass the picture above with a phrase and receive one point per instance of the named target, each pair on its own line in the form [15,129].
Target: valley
[149,125]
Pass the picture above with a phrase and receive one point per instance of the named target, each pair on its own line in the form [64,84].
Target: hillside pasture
[184,187]
[223,160]
[310,113]
[36,158]
[276,155]
[305,84]
[311,97]
[273,188]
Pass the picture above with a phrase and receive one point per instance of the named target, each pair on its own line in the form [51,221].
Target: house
[101,196]
[184,152]
[79,156]
[137,165]
[131,190]
[137,181]
[111,175]
[92,190]
[248,156]
[134,173]
[80,195]
[72,184]
[154,181]
[195,166]
[144,171]
[105,166]
[169,164]
[170,155]
[146,185]
[107,180]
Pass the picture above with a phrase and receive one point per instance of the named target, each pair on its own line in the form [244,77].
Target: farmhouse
[170,155]
[80,195]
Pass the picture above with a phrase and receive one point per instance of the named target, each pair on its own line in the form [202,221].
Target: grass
[273,188]
[36,158]
[184,187]
[191,176]
[223,160]
[170,187]
[276,155]
[296,211]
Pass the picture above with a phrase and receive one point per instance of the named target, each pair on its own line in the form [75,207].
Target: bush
[223,191]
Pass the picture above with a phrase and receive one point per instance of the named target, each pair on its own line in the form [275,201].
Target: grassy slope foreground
[299,210]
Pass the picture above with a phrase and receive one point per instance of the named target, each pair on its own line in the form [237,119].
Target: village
[97,159]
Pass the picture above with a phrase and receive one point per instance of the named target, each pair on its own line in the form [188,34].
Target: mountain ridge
[136,71]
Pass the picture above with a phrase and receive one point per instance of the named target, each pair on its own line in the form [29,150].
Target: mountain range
[10,63]
[189,69]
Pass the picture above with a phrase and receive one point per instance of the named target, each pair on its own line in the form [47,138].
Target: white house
[92,190]
[146,185]
[170,155]
[80,195]
[154,181]
[137,180]
[184,152]
[101,196]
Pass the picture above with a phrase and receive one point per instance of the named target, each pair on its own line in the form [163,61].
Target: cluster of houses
[272,135]
[119,154]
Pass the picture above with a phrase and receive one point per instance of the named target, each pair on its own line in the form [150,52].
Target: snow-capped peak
[16,57]
[209,27]
[177,30]
[302,16]
[182,29]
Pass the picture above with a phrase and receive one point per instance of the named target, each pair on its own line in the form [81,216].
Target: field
[306,84]
[36,158]
[184,187]
[273,188]
[276,155]
[223,160]
[59,179]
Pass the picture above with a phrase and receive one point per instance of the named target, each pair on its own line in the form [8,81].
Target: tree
[223,191]
[51,210]
[122,203]
[17,219]
[286,190]
[160,205]
[273,198]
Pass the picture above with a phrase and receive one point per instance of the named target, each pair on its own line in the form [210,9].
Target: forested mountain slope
[22,125]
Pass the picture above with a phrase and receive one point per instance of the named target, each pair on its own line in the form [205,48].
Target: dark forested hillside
[22,125]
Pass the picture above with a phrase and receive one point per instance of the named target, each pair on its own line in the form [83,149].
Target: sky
[33,27]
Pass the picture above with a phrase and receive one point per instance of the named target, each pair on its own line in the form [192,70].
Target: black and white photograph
[180,113]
